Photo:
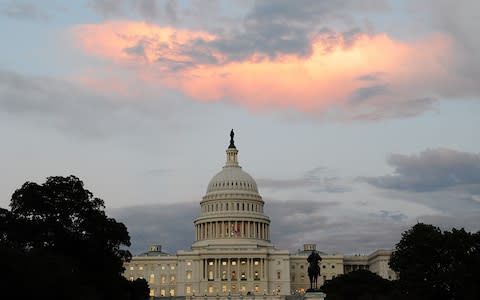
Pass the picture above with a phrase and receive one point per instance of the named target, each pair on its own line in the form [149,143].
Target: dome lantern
[232,153]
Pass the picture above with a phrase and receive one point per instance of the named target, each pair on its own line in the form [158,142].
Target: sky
[357,119]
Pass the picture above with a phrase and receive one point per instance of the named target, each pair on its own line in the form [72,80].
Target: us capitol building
[233,254]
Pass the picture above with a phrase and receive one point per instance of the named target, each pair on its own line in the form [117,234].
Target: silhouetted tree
[139,289]
[360,285]
[56,240]
[438,265]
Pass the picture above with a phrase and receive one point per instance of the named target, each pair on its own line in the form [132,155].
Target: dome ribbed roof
[232,178]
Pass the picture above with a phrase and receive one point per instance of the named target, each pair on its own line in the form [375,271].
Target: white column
[228,269]
[261,268]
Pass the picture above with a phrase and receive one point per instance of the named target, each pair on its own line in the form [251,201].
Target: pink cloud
[336,74]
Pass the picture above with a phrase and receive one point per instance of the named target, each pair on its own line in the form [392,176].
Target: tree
[60,235]
[360,285]
[438,265]
[139,289]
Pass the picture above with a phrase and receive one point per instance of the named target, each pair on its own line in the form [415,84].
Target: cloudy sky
[356,118]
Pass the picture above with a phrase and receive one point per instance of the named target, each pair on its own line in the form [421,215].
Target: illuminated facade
[232,253]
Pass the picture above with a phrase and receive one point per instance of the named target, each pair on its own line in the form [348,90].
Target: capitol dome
[232,209]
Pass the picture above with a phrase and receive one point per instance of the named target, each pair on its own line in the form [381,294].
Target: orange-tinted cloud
[373,69]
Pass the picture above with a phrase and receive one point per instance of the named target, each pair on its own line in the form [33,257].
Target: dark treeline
[56,242]
[432,265]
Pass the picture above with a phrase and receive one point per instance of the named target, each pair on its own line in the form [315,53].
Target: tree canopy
[360,285]
[58,241]
[436,264]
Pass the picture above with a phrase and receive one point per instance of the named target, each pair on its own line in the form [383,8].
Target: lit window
[210,289]
[172,267]
[188,289]
[243,262]
[131,278]
[172,292]
[131,268]
[189,263]
[140,268]
[257,289]
[163,279]
[189,275]
[162,292]
[152,278]
[256,262]
[243,277]
[163,267]
[224,263]
[234,263]
[210,263]
[243,289]
[210,275]
[172,278]
[152,293]
[224,288]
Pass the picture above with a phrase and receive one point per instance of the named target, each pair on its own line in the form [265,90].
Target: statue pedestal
[314,296]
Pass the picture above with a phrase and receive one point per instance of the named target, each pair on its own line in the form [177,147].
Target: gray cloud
[365,93]
[71,108]
[170,225]
[371,76]
[393,215]
[293,223]
[469,221]
[23,10]
[318,180]
[268,29]
[461,21]
[431,170]
[279,27]
[171,11]
[373,109]
[153,10]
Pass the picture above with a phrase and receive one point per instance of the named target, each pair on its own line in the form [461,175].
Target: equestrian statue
[313,269]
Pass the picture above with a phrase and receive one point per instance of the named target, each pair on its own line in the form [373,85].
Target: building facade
[232,253]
